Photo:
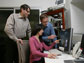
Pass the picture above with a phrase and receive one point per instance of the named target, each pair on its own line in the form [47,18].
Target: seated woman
[37,46]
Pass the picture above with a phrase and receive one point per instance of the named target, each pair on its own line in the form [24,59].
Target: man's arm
[53,32]
[9,28]
[48,37]
[44,37]
[34,50]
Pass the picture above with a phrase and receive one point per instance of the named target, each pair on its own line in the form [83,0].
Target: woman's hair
[37,28]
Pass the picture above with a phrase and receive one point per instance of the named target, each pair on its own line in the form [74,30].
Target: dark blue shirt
[49,30]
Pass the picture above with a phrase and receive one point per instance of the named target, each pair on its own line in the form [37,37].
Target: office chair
[23,52]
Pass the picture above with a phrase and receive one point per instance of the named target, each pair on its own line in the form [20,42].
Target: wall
[74,17]
[77,38]
[67,14]
[77,18]
[41,4]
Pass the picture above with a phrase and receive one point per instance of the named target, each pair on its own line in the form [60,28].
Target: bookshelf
[54,12]
[59,19]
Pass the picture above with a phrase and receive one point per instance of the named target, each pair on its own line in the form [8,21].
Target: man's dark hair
[24,7]
[42,16]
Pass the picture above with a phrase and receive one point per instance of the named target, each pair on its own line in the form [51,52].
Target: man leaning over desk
[49,33]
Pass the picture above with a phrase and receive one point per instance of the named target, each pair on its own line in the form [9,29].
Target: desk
[59,59]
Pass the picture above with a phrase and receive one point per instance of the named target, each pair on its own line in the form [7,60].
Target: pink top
[36,48]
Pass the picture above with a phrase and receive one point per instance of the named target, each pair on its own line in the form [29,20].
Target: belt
[24,38]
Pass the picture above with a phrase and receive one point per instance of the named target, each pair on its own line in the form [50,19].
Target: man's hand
[56,41]
[20,40]
[51,36]
[52,56]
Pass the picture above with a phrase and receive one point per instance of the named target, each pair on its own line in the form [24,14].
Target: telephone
[76,50]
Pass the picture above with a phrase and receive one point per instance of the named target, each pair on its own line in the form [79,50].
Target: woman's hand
[52,56]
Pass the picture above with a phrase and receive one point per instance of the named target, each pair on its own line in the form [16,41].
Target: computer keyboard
[55,51]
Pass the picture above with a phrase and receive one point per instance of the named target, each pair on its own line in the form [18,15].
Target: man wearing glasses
[49,33]
[17,27]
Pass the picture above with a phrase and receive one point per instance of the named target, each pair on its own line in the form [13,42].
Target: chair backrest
[23,52]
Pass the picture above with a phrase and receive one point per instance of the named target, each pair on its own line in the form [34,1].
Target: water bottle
[66,43]
[66,48]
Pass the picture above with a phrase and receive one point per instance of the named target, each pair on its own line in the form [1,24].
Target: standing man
[17,28]
[49,33]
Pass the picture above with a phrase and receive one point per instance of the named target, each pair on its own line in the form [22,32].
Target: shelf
[58,20]
[56,27]
[54,12]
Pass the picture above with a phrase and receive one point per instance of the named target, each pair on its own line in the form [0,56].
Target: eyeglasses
[45,21]
[28,11]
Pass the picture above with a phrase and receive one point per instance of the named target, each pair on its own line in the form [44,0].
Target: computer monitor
[82,44]
[66,39]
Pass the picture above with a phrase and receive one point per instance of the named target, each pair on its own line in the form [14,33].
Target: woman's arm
[33,49]
[48,47]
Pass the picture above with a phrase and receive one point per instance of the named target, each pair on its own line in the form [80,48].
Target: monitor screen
[66,39]
[82,43]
